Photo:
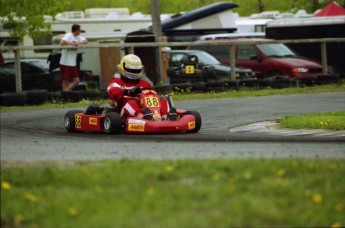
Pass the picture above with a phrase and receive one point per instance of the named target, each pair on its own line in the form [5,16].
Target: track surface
[39,135]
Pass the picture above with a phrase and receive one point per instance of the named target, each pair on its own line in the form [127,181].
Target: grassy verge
[328,120]
[179,96]
[183,193]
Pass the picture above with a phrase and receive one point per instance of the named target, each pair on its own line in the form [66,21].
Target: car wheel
[197,120]
[69,120]
[112,123]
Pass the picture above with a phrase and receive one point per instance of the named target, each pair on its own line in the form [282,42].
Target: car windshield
[205,58]
[276,50]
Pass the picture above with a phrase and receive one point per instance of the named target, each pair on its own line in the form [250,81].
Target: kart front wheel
[197,120]
[112,123]
[69,120]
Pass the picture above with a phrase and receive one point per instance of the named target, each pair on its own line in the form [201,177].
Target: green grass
[250,92]
[328,120]
[182,193]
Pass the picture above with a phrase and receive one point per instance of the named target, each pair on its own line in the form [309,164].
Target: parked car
[264,59]
[36,74]
[205,67]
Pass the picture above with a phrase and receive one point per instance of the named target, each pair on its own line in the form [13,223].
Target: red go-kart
[107,119]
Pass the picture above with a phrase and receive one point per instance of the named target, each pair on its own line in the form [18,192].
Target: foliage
[246,7]
[14,12]
[26,17]
[174,193]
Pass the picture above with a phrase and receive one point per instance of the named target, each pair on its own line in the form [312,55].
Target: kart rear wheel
[197,120]
[112,123]
[69,120]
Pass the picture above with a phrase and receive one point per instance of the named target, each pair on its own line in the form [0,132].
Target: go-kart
[107,118]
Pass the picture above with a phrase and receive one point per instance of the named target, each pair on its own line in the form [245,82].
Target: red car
[264,59]
[100,119]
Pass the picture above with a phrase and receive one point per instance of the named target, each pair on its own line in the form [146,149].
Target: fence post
[109,60]
[163,61]
[324,57]
[232,62]
[18,68]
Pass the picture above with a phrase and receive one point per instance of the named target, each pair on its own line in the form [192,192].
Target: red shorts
[68,72]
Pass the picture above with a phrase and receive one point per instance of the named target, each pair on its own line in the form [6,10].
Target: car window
[206,59]
[221,52]
[176,59]
[276,50]
[246,51]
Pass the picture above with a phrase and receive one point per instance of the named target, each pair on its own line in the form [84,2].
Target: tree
[26,17]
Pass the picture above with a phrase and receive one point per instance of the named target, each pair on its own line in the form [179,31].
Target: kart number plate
[151,102]
[189,69]
[77,120]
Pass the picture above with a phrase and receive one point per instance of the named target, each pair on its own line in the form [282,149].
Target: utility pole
[157,31]
[156,19]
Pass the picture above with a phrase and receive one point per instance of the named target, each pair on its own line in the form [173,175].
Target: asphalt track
[39,135]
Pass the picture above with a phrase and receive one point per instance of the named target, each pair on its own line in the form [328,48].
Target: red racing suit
[130,106]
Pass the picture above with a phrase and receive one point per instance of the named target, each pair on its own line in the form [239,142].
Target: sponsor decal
[92,121]
[135,121]
[77,120]
[136,127]
[191,125]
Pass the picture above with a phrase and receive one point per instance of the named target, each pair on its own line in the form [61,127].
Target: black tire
[90,95]
[328,79]
[69,120]
[199,87]
[55,96]
[248,82]
[275,82]
[197,120]
[305,81]
[71,96]
[12,99]
[112,123]
[36,96]
[182,87]
[163,89]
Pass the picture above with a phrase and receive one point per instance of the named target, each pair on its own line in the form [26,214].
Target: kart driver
[124,89]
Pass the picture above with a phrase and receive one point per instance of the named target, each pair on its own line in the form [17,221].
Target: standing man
[68,62]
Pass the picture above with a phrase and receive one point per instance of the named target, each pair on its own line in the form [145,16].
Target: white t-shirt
[69,56]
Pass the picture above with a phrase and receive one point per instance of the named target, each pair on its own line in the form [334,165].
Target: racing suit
[118,91]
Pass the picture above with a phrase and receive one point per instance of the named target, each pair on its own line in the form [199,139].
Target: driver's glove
[134,91]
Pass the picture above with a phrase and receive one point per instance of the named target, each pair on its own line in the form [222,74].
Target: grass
[328,121]
[181,193]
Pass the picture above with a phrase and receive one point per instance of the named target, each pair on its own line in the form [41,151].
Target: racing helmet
[131,67]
